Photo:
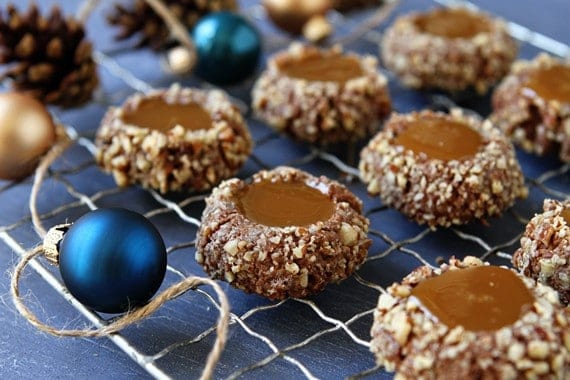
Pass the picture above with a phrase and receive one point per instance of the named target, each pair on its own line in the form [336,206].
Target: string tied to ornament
[133,316]
[58,237]
[220,46]
[176,28]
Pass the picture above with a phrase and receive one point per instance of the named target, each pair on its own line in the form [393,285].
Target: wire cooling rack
[325,336]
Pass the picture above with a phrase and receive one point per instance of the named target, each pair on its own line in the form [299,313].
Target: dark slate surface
[26,353]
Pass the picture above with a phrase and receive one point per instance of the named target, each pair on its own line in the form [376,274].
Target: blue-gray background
[26,353]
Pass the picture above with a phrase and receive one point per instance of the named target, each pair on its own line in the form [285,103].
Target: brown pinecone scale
[47,57]
[141,20]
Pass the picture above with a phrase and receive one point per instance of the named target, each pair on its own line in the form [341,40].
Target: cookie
[285,234]
[532,106]
[321,96]
[544,254]
[173,139]
[442,169]
[452,49]
[469,320]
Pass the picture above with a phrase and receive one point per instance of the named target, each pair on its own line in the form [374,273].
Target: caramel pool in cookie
[452,23]
[442,169]
[453,49]
[156,114]
[284,234]
[280,204]
[473,321]
[532,106]
[321,96]
[549,83]
[324,69]
[173,139]
[440,138]
[483,298]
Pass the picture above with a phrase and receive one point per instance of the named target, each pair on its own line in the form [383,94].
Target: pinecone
[141,19]
[49,57]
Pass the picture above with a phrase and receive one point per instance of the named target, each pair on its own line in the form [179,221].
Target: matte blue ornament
[228,47]
[112,260]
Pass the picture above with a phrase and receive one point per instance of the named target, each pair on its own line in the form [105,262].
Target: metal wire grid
[324,336]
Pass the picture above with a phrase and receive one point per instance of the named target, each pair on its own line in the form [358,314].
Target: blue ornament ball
[112,260]
[228,47]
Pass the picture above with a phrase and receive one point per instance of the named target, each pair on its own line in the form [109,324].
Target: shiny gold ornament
[292,15]
[26,132]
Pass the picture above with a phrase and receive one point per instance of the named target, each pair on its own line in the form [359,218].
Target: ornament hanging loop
[187,49]
[184,56]
[52,240]
[133,316]
[63,142]
[176,28]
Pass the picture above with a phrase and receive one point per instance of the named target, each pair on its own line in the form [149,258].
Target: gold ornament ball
[292,15]
[27,131]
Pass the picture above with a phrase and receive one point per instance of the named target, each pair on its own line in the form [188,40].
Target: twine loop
[176,28]
[132,316]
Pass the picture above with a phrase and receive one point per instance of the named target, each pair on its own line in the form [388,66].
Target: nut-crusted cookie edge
[281,262]
[407,340]
[425,61]
[534,124]
[544,254]
[321,113]
[437,192]
[177,159]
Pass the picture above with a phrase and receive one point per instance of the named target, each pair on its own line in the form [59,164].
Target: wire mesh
[325,336]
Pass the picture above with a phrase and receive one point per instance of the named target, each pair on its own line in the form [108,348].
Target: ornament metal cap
[52,240]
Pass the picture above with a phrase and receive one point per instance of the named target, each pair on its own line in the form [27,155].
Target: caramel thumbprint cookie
[173,139]
[442,169]
[544,254]
[322,96]
[532,106]
[285,234]
[470,320]
[452,49]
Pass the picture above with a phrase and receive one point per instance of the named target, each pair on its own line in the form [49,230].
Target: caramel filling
[324,69]
[552,83]
[280,204]
[440,138]
[566,215]
[451,23]
[154,113]
[484,298]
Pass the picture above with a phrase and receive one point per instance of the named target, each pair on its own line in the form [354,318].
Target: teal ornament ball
[228,48]
[112,260]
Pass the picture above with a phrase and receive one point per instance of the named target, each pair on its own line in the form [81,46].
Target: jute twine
[177,29]
[179,32]
[131,317]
